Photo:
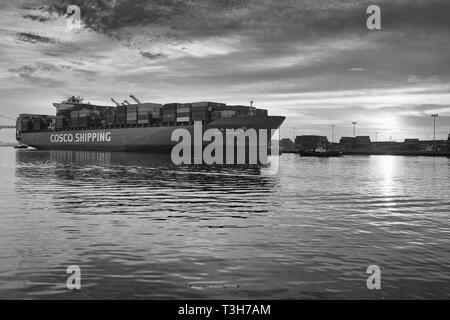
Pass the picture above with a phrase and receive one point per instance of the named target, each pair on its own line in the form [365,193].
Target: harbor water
[140,227]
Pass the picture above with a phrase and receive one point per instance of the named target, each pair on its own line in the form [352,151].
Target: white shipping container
[183,119]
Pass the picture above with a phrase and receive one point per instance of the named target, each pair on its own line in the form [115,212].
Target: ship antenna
[251,107]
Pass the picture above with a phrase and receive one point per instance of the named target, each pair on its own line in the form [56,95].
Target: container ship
[134,127]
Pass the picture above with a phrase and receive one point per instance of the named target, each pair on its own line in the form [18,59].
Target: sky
[313,61]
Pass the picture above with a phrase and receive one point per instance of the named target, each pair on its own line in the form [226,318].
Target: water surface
[139,227]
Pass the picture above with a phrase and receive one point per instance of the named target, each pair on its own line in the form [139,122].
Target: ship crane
[115,102]
[135,99]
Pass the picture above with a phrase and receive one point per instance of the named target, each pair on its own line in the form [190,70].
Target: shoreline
[387,153]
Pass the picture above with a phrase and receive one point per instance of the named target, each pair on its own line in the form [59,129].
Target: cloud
[152,56]
[33,38]
[313,60]
[290,19]
[36,17]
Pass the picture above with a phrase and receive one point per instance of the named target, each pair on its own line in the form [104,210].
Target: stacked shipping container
[148,113]
[121,116]
[184,112]
[84,119]
[132,114]
[201,111]
[110,118]
[169,113]
[59,123]
[83,116]
[35,122]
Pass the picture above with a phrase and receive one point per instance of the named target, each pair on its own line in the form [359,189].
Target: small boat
[20,146]
[320,152]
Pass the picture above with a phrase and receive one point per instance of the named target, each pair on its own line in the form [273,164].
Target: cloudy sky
[313,61]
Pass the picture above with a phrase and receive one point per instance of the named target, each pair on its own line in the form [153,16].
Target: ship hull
[135,139]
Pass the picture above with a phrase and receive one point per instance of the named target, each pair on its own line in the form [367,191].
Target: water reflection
[117,182]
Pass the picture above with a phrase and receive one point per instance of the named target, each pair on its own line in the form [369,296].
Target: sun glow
[388,122]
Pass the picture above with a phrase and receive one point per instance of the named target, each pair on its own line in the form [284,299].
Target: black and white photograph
[224,154]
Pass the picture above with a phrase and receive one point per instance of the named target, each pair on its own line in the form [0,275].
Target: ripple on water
[141,227]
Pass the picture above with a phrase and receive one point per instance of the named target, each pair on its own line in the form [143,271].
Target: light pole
[434,116]
[376,136]
[354,123]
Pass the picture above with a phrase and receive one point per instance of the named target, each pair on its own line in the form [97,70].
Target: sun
[388,122]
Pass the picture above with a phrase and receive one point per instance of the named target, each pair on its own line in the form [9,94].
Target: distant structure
[448,143]
[287,145]
[347,143]
[310,142]
[361,143]
[354,123]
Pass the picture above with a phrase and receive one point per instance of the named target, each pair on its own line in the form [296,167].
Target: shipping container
[201,109]
[261,113]
[121,120]
[153,108]
[26,124]
[144,118]
[132,112]
[168,118]
[38,124]
[83,122]
[201,117]
[207,104]
[60,123]
[171,106]
[120,110]
[223,114]
[110,118]
[169,113]
[74,120]
[240,110]
[183,110]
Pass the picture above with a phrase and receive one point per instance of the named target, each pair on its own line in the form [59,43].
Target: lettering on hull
[80,137]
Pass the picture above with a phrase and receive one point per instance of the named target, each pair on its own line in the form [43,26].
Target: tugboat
[321,151]
[20,146]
